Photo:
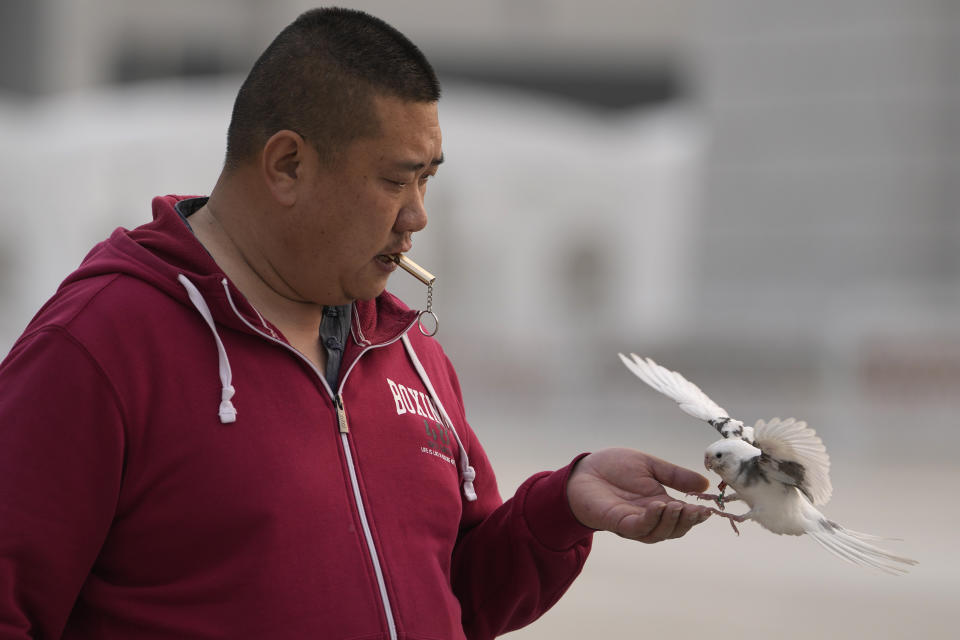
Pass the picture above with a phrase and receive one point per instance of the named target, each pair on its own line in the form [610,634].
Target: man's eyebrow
[417,166]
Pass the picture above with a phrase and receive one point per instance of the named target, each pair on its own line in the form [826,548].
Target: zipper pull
[341,414]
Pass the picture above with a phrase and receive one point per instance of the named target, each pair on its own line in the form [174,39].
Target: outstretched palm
[622,490]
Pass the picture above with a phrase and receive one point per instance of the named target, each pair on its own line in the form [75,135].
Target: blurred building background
[762,194]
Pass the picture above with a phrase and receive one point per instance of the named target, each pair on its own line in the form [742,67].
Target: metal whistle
[414,269]
[426,278]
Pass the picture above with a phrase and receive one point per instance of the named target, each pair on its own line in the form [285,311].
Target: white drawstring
[468,473]
[227,412]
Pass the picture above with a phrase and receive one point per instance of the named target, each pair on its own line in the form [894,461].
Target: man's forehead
[397,116]
[408,134]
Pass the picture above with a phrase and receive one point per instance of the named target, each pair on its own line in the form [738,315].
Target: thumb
[679,478]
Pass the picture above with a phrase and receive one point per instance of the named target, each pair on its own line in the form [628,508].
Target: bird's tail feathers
[869,536]
[854,547]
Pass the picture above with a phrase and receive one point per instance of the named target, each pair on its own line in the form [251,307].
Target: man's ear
[282,163]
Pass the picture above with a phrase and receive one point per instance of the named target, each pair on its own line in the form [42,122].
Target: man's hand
[622,490]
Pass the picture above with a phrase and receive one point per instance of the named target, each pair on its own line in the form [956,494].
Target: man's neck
[298,321]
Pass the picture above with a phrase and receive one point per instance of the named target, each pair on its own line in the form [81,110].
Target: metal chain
[429,312]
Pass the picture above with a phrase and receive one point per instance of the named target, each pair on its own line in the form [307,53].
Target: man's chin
[370,292]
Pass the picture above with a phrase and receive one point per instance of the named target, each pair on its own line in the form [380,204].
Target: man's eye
[400,184]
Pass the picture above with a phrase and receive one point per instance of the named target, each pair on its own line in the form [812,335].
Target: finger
[668,522]
[678,478]
[638,524]
[691,516]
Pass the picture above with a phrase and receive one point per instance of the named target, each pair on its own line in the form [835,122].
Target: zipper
[341,414]
[374,556]
[344,430]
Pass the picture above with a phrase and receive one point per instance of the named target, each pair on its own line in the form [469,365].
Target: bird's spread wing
[794,454]
[673,385]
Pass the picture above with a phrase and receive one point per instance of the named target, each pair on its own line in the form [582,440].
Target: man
[222,426]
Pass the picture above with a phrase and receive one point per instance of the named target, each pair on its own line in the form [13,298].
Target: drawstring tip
[228,412]
[469,474]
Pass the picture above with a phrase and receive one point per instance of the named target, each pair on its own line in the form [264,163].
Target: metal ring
[436,323]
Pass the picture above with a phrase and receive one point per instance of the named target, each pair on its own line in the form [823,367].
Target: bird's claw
[718,498]
[734,525]
[733,518]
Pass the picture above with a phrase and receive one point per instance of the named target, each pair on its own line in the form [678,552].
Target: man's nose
[413,213]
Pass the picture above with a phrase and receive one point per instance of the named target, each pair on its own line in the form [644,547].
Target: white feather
[852,546]
[691,399]
[792,440]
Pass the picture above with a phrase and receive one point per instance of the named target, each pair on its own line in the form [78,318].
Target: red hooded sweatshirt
[170,468]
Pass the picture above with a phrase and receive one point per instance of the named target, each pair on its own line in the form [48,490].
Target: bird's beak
[706,462]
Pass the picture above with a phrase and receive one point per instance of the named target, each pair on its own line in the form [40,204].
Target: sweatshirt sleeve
[515,563]
[512,560]
[61,456]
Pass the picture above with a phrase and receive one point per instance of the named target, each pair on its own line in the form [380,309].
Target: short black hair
[319,77]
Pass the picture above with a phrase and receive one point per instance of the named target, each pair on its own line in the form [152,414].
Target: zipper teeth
[354,481]
[381,582]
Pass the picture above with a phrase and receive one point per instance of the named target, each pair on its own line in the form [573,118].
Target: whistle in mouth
[414,269]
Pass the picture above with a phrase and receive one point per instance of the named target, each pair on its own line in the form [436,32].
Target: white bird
[779,468]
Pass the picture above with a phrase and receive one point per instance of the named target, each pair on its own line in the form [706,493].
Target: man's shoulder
[102,302]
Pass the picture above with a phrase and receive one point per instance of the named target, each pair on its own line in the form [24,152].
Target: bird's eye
[719,455]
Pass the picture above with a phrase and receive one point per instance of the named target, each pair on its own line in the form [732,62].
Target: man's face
[362,207]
